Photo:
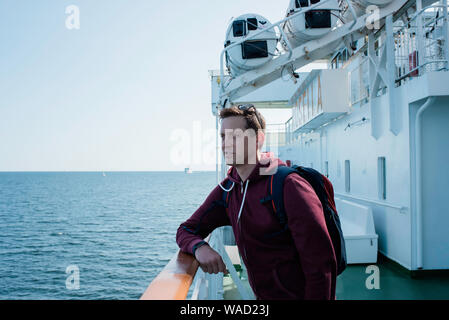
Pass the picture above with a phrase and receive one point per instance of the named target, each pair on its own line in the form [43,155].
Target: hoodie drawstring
[243,201]
[224,189]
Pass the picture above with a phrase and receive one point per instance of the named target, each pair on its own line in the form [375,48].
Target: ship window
[254,49]
[318,19]
[345,54]
[338,168]
[381,178]
[347,176]
[252,24]
[238,28]
[326,168]
[337,61]
[301,3]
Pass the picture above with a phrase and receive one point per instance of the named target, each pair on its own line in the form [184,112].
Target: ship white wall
[435,181]
[393,217]
[358,146]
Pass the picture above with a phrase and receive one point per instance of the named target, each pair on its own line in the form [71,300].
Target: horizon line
[101,171]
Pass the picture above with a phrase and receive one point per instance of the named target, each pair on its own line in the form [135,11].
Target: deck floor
[394,284]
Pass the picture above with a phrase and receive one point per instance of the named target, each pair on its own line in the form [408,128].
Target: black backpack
[325,192]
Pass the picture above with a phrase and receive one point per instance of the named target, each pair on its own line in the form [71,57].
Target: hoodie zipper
[244,252]
[243,242]
[240,225]
[246,261]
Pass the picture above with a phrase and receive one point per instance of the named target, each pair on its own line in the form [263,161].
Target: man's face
[238,143]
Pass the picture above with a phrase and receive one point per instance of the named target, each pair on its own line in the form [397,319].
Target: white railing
[421,44]
[275,135]
[359,82]
[210,286]
[289,131]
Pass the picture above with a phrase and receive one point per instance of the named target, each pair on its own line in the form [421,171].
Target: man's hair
[254,119]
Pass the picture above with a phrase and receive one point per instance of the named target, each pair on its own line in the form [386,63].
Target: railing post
[445,34]
[217,151]
[421,55]
[215,281]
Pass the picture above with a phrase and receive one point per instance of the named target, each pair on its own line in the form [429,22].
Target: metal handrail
[416,14]
[401,209]
[174,281]
[419,67]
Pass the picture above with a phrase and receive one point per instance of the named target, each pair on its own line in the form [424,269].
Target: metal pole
[418,188]
[445,33]
[354,15]
[217,179]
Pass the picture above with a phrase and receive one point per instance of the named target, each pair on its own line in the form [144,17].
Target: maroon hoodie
[296,264]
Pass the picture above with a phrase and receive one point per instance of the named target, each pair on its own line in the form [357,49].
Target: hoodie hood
[267,165]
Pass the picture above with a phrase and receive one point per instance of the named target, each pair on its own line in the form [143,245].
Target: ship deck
[396,283]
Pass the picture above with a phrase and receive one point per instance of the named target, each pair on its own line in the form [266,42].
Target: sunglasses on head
[250,108]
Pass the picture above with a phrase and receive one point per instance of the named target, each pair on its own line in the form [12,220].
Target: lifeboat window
[301,3]
[254,49]
[318,19]
[238,28]
[314,1]
[252,24]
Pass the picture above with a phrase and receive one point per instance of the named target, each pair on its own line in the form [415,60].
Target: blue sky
[109,95]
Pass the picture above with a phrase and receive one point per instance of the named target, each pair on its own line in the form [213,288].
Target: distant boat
[187,170]
[104,174]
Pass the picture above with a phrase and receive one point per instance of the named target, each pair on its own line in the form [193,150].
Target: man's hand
[209,259]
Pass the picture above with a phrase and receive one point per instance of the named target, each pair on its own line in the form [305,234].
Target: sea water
[116,230]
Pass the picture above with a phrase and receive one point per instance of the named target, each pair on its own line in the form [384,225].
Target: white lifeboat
[254,52]
[361,7]
[313,24]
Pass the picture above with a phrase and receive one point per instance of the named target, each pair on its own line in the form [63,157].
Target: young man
[296,264]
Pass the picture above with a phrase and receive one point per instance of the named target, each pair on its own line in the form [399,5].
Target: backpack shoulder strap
[276,193]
